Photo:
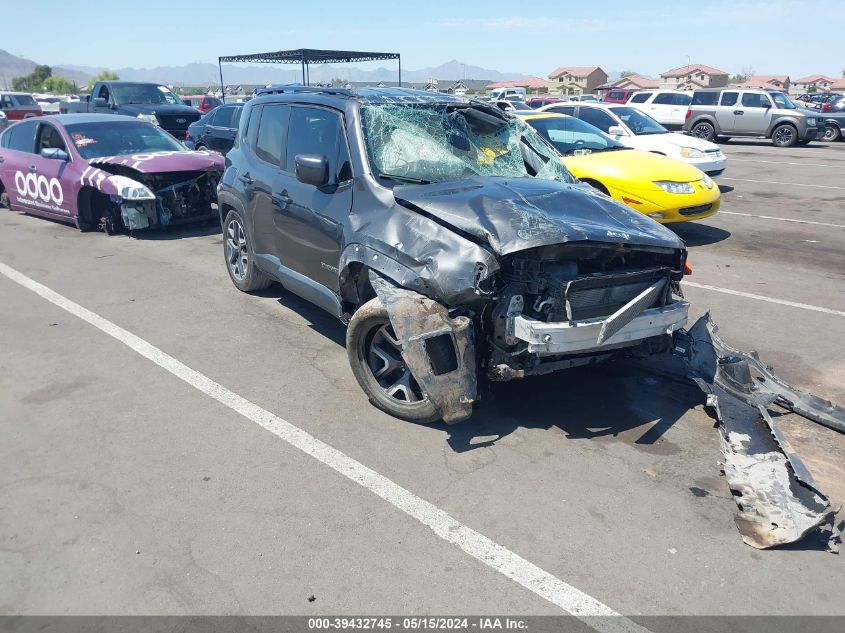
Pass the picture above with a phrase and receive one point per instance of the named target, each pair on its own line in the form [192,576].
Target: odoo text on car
[105,171]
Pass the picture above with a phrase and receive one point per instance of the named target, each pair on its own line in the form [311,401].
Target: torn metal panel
[778,499]
[448,376]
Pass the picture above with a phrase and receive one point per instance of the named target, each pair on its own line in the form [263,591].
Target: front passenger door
[309,220]
[220,131]
[757,112]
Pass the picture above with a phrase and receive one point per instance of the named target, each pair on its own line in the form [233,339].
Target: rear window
[23,100]
[20,137]
[705,98]
[640,98]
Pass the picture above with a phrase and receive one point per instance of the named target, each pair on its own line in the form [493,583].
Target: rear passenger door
[221,129]
[309,220]
[16,164]
[728,111]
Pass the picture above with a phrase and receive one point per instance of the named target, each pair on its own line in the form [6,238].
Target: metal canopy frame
[304,57]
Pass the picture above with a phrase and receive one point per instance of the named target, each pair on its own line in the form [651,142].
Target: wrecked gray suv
[449,236]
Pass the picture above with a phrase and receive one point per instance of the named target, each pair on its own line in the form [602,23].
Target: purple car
[105,171]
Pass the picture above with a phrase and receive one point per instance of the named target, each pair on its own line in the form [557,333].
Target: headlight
[811,121]
[136,192]
[691,152]
[674,187]
[707,181]
[149,118]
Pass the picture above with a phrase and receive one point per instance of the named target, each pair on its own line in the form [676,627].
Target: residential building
[810,83]
[532,85]
[576,80]
[635,82]
[778,82]
[693,76]
[839,84]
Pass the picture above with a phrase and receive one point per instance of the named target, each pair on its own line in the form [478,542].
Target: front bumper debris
[585,336]
[778,500]
[438,350]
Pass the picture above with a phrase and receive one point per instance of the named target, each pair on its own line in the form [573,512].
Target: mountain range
[12,66]
[205,74]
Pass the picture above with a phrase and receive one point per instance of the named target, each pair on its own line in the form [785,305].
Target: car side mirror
[54,153]
[766,105]
[312,169]
[99,102]
[616,130]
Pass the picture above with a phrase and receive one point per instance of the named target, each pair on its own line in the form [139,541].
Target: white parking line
[570,599]
[749,295]
[775,182]
[771,217]
[781,162]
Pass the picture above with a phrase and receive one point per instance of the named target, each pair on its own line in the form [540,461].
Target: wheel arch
[781,121]
[706,118]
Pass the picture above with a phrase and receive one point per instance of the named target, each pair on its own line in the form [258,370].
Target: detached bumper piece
[778,500]
[439,350]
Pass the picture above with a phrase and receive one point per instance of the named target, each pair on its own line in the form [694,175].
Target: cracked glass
[440,142]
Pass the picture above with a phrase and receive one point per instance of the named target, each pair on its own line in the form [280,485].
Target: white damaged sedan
[636,129]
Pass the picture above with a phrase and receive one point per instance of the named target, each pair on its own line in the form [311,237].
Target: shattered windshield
[573,136]
[439,142]
[95,140]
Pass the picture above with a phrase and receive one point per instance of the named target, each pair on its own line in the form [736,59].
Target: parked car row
[469,247]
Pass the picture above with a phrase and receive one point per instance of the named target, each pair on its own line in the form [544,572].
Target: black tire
[368,322]
[832,133]
[703,130]
[4,201]
[722,139]
[784,135]
[240,257]
[200,148]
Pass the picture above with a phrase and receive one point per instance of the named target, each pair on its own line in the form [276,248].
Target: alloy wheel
[702,131]
[236,250]
[388,367]
[784,135]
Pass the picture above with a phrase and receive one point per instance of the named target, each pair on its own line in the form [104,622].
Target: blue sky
[528,37]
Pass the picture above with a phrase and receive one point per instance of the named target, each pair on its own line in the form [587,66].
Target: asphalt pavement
[216,456]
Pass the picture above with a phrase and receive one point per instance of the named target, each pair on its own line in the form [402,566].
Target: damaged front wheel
[375,355]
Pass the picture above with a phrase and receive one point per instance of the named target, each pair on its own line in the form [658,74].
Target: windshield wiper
[418,181]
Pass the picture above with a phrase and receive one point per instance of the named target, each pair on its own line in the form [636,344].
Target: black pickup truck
[147,101]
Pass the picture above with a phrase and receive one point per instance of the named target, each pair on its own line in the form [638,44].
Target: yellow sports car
[662,188]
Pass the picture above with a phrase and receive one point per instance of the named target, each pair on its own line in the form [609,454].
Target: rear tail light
[687,269]
[827,107]
[688,115]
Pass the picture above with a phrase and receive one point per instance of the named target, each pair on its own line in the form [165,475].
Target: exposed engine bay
[177,197]
[576,285]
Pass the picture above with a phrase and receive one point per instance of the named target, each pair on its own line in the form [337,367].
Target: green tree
[812,88]
[106,75]
[34,81]
[59,85]
[627,73]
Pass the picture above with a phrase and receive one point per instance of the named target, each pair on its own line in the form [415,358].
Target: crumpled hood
[161,162]
[134,109]
[516,214]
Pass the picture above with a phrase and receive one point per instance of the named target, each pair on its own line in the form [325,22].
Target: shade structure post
[222,87]
[400,70]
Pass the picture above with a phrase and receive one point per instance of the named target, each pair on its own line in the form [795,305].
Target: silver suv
[720,113]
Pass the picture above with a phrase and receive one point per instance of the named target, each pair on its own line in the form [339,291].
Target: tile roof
[635,81]
[525,82]
[575,71]
[811,79]
[683,71]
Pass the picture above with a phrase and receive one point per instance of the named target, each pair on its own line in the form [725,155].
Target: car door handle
[2,160]
[739,111]
[282,200]
[246,179]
